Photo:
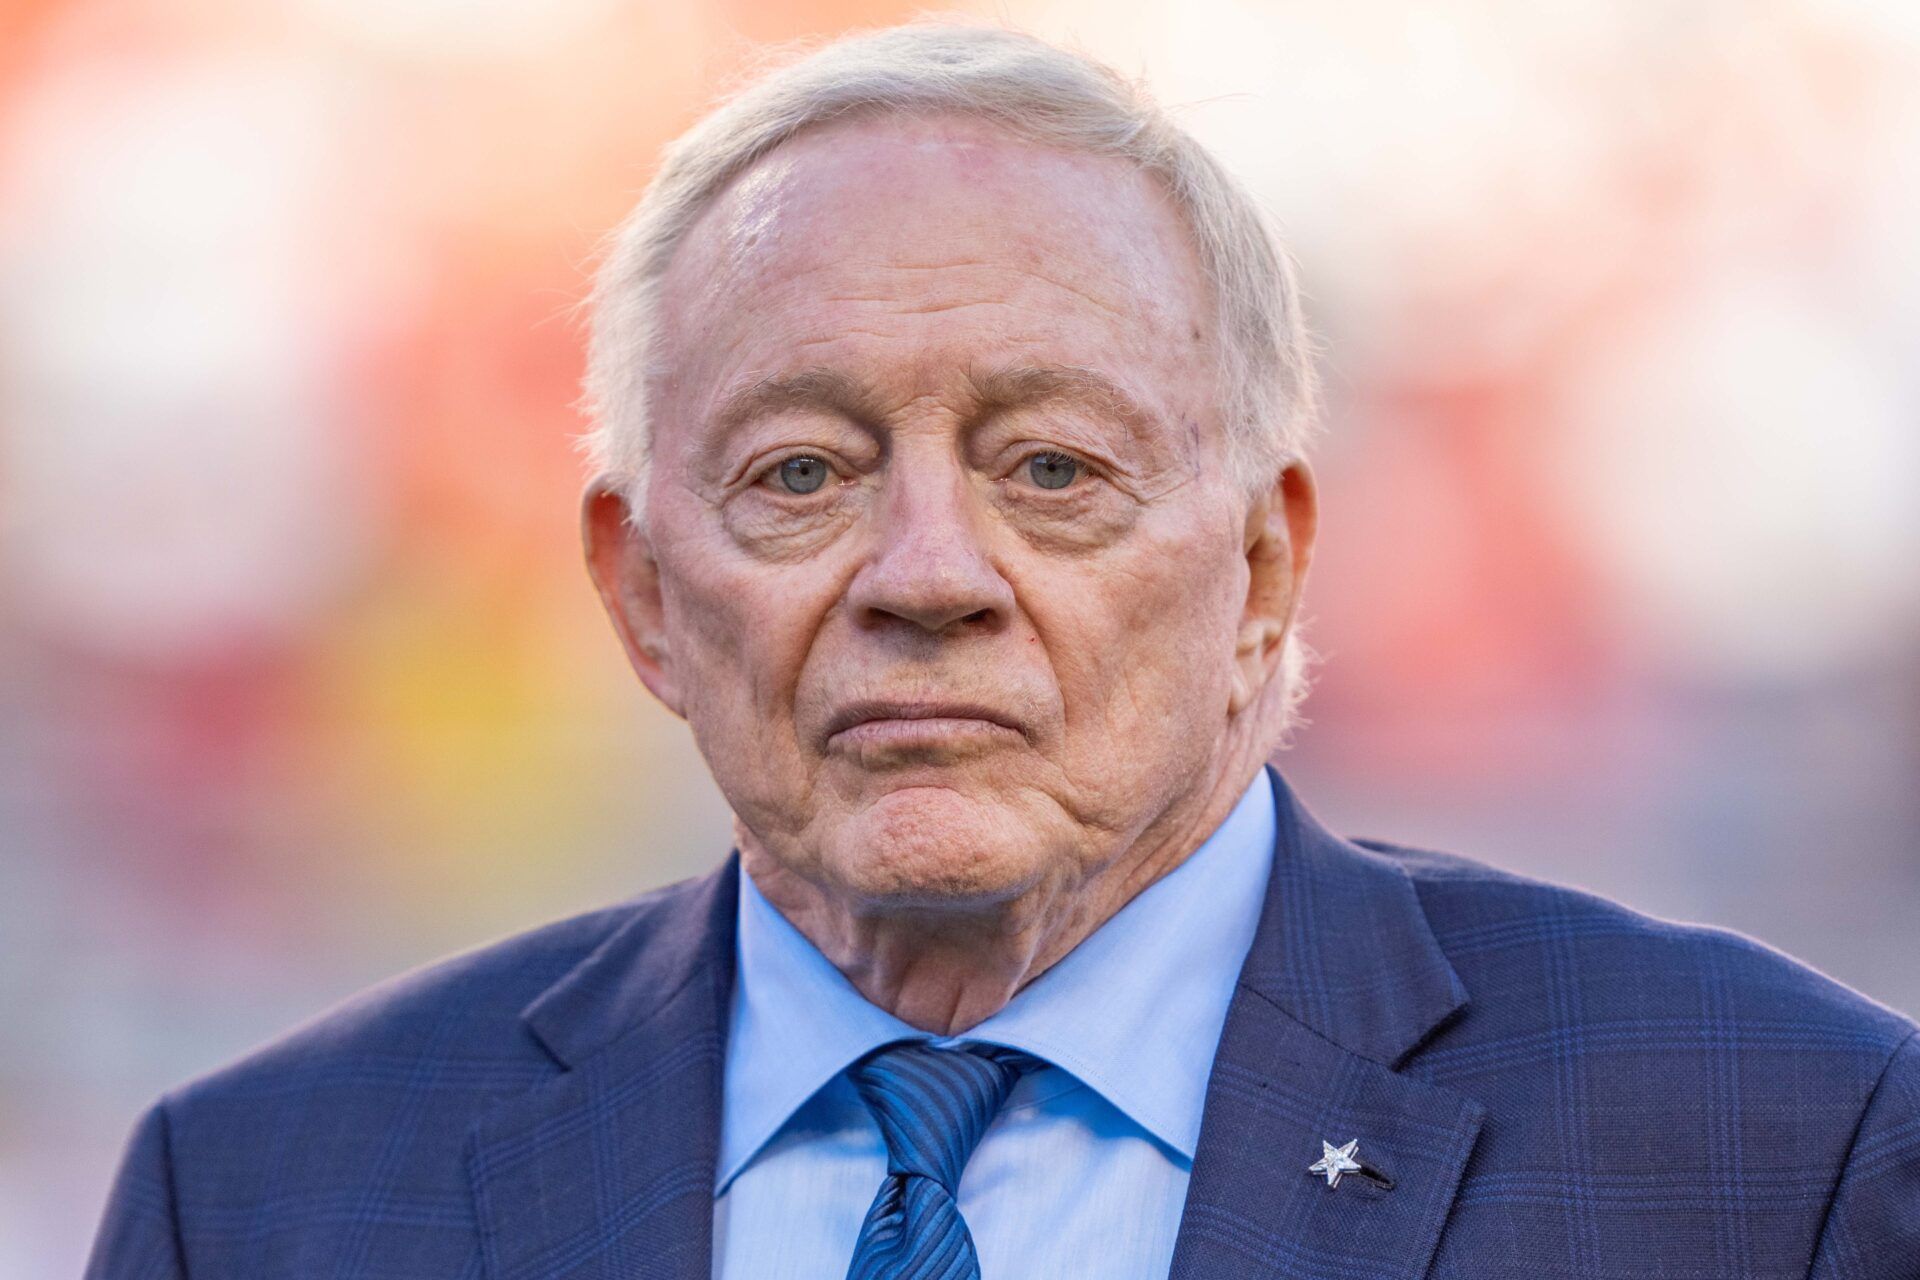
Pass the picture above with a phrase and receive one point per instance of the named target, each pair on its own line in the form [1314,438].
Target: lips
[867,711]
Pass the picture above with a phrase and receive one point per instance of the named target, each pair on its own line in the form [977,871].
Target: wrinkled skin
[1108,619]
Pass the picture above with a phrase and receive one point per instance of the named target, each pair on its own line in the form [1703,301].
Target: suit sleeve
[1872,1231]
[139,1235]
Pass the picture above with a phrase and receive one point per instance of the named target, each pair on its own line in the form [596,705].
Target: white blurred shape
[1894,20]
[1746,466]
[455,29]
[177,477]
[1409,153]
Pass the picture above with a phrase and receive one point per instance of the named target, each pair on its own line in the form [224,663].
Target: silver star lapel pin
[1335,1161]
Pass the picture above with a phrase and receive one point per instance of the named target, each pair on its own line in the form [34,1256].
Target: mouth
[872,724]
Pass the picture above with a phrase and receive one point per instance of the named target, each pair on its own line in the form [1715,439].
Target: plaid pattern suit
[1554,1085]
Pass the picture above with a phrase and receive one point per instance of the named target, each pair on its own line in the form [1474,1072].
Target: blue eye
[804,474]
[1053,470]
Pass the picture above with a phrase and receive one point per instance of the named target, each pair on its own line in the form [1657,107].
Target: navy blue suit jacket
[1554,1085]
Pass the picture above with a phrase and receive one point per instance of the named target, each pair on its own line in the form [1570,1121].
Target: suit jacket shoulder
[1639,1070]
[467,1001]
[1486,918]
[351,1127]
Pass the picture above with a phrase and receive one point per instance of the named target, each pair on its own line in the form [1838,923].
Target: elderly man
[950,405]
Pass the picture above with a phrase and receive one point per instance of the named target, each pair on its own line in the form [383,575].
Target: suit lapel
[1344,979]
[607,1170]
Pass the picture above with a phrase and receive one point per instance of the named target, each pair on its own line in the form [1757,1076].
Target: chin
[937,847]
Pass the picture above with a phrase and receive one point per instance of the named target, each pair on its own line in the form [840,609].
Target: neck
[945,971]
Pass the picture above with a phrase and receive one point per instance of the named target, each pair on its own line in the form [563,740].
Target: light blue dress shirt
[1084,1170]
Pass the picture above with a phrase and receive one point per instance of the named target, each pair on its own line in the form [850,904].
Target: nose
[929,566]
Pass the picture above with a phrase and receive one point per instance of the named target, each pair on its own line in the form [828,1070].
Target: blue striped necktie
[933,1105]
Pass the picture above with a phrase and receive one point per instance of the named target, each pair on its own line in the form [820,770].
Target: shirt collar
[1135,1011]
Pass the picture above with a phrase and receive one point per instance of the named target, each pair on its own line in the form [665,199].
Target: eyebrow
[994,390]
[1018,386]
[813,388]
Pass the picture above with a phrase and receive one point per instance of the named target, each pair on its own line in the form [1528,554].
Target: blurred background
[302,682]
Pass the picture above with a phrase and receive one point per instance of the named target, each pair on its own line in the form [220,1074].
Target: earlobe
[626,575]
[1279,535]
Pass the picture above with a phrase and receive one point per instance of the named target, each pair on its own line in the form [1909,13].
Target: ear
[1279,534]
[621,561]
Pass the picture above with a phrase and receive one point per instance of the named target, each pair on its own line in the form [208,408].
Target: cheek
[741,631]
[1145,647]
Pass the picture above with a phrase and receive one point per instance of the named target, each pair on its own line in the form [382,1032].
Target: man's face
[943,560]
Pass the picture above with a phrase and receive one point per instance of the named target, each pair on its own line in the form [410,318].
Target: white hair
[1267,392]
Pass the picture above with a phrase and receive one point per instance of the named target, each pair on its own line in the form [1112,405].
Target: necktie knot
[934,1105]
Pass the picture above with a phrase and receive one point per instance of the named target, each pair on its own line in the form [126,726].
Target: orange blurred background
[302,682]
